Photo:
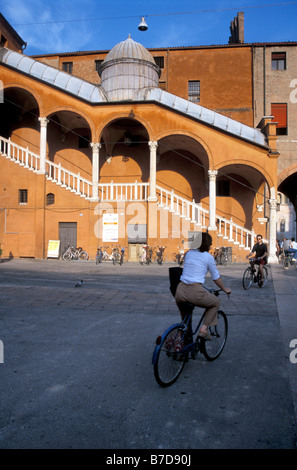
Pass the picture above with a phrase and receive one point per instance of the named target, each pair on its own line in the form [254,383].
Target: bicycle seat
[186,307]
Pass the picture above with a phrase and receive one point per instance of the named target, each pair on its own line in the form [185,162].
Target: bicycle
[160,253]
[175,346]
[180,257]
[221,257]
[75,254]
[287,260]
[99,255]
[251,274]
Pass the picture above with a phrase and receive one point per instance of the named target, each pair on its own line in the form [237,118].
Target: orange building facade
[125,162]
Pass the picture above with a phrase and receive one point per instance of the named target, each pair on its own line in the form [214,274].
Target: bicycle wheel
[83,255]
[247,278]
[286,263]
[169,363]
[213,348]
[66,256]
[263,281]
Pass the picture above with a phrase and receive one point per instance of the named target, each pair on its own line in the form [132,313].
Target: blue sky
[85,25]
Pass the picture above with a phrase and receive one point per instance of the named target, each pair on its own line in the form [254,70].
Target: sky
[51,26]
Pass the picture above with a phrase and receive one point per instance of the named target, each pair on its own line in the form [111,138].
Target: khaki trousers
[197,295]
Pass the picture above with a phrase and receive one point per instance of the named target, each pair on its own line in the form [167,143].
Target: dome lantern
[128,67]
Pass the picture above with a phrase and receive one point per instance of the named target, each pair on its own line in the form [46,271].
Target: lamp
[142,25]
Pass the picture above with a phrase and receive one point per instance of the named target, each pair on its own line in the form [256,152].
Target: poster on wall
[53,249]
[110,228]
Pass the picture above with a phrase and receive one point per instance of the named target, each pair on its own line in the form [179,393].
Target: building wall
[8,36]
[278,89]
[222,88]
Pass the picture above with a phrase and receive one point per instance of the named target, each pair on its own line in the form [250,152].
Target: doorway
[67,235]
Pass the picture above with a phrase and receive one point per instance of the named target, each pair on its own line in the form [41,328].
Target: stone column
[272,258]
[212,175]
[153,170]
[95,170]
[43,132]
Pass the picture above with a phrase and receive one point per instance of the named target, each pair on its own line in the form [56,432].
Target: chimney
[237,29]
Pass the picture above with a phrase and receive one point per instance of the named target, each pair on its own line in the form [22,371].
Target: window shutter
[279,111]
[278,56]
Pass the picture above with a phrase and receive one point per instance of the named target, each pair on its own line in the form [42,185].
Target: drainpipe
[264,80]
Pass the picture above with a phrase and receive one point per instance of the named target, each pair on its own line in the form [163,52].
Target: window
[279,113]
[160,61]
[3,41]
[194,91]
[278,61]
[283,225]
[23,196]
[50,199]
[98,65]
[223,188]
[67,67]
[162,85]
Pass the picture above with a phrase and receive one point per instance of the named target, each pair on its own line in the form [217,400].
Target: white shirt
[196,266]
[294,245]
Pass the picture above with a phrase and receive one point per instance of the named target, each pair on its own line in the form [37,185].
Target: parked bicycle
[99,255]
[180,257]
[142,255]
[287,260]
[180,342]
[160,254]
[220,256]
[252,275]
[75,254]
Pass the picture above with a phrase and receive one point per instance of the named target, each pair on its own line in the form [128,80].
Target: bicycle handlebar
[215,291]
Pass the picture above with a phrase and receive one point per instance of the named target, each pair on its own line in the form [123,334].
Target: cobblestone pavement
[77,367]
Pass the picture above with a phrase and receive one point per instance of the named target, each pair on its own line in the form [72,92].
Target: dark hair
[206,242]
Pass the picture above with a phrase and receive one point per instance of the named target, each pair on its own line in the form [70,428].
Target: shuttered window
[278,61]
[279,113]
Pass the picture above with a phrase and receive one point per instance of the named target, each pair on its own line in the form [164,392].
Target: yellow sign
[53,249]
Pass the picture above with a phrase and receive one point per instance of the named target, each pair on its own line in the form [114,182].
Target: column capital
[95,145]
[153,145]
[273,203]
[43,121]
[212,174]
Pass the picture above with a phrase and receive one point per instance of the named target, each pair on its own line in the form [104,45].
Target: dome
[129,49]
[126,69]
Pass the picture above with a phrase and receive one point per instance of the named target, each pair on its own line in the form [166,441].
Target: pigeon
[79,283]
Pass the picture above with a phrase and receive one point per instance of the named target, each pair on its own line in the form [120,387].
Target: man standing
[259,251]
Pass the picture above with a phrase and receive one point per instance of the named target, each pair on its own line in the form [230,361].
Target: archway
[242,193]
[68,139]
[125,155]
[19,118]
[182,164]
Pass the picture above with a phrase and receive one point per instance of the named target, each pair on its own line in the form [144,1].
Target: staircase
[228,233]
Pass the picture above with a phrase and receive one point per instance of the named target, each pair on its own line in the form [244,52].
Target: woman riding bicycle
[196,265]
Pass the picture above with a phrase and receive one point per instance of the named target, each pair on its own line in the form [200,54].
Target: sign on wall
[110,228]
[53,249]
